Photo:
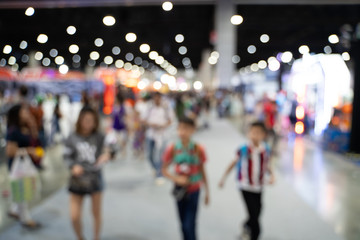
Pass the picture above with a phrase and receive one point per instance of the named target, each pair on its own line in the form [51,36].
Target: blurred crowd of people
[141,125]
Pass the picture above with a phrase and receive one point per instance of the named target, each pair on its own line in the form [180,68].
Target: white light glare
[304,49]
[144,48]
[212,60]
[236,19]
[7,49]
[71,30]
[119,63]
[116,50]
[157,85]
[73,48]
[235,59]
[108,60]
[23,45]
[333,39]
[198,85]
[153,55]
[63,69]
[179,38]
[327,50]
[262,64]
[264,38]
[99,42]
[286,57]
[42,38]
[182,50]
[251,49]
[59,60]
[38,56]
[29,11]
[346,56]
[109,20]
[274,64]
[167,6]
[94,55]
[130,37]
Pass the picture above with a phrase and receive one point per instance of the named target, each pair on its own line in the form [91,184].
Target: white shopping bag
[23,177]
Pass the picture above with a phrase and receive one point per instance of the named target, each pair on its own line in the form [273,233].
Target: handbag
[23,178]
[179,192]
[89,182]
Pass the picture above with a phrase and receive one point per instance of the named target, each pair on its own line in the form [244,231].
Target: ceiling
[288,26]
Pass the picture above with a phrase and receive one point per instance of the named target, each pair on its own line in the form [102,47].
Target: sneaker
[160,181]
[246,234]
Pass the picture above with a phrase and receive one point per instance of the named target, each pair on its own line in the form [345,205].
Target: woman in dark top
[20,135]
[85,154]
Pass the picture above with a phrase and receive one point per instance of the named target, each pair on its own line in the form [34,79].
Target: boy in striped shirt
[252,162]
[189,159]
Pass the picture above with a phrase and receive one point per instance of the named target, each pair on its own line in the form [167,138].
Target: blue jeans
[155,155]
[187,209]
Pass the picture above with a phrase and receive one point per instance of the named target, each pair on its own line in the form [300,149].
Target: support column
[226,41]
[355,128]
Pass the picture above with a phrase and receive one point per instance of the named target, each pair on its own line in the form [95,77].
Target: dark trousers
[187,209]
[253,205]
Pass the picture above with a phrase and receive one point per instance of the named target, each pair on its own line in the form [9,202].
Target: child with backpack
[189,160]
[252,163]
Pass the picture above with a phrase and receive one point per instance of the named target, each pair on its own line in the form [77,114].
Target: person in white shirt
[158,119]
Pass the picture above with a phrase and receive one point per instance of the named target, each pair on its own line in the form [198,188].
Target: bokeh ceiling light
[182,50]
[286,57]
[236,20]
[262,64]
[212,60]
[63,69]
[264,38]
[159,60]
[46,62]
[53,52]
[42,38]
[198,85]
[94,55]
[235,59]
[327,50]
[167,6]
[99,42]
[74,48]
[131,37]
[251,49]
[346,56]
[144,48]
[12,60]
[153,55]
[23,44]
[59,60]
[333,39]
[108,60]
[215,54]
[116,50]
[7,49]
[119,63]
[71,30]
[179,38]
[109,21]
[29,11]
[304,49]
[38,56]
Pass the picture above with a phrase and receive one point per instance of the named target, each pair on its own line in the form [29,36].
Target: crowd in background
[140,126]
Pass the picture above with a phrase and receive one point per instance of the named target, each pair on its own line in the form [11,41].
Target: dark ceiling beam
[104,3]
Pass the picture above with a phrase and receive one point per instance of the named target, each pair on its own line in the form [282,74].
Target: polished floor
[315,197]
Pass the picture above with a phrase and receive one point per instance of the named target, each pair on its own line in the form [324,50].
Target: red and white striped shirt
[252,166]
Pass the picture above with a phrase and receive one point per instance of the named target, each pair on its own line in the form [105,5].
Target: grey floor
[315,197]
